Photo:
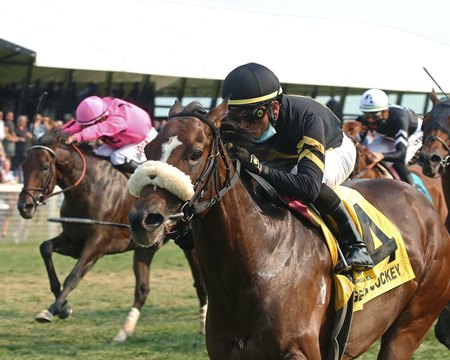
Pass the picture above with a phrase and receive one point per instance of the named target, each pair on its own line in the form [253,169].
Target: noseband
[45,189]
[210,173]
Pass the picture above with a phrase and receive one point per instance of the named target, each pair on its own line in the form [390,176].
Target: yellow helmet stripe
[255,100]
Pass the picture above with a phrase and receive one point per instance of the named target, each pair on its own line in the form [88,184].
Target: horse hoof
[121,337]
[44,316]
[65,311]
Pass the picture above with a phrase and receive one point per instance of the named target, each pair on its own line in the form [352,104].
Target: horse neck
[445,181]
[235,235]
[70,167]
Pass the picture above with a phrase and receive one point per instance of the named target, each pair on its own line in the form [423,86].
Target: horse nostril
[29,207]
[152,220]
[435,159]
[144,221]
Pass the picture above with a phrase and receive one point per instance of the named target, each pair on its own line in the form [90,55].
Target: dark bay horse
[366,169]
[434,159]
[269,273]
[92,189]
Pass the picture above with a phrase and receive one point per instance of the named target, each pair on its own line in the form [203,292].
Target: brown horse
[434,159]
[366,169]
[268,273]
[92,189]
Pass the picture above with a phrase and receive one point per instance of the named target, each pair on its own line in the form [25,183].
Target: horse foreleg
[141,266]
[200,287]
[428,301]
[47,248]
[442,328]
[88,257]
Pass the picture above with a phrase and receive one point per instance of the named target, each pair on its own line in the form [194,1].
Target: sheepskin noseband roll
[162,175]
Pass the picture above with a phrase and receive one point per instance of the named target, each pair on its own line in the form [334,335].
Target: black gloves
[248,161]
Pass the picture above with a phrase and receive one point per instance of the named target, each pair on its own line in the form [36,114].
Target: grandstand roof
[300,41]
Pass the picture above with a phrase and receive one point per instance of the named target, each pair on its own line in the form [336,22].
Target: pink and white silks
[124,133]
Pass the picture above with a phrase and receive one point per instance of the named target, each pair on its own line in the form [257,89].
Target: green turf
[167,328]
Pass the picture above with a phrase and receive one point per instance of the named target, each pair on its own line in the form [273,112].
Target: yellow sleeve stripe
[273,154]
[312,142]
[311,156]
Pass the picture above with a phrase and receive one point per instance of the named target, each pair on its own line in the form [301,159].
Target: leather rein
[45,189]
[210,173]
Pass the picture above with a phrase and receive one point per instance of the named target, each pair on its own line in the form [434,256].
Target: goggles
[255,114]
[373,115]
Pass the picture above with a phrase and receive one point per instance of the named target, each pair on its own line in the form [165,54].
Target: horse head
[183,162]
[435,154]
[42,168]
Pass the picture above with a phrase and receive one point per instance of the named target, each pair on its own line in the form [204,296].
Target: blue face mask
[266,135]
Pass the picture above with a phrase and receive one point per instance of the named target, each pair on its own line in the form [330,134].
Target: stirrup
[342,267]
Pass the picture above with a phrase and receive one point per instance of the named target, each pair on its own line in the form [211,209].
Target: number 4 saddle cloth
[384,242]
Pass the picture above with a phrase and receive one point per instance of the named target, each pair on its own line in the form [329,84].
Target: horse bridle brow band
[210,171]
[44,190]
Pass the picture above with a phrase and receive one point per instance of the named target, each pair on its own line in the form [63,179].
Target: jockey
[307,137]
[392,132]
[123,127]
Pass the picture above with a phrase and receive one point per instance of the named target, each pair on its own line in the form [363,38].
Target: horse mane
[54,136]
[230,131]
[195,107]
[439,117]
[58,137]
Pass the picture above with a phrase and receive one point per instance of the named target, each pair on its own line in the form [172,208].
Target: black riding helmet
[250,87]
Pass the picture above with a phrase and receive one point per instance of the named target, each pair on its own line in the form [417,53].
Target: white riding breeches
[339,163]
[127,153]
[378,143]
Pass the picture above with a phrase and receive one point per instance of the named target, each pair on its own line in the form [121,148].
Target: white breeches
[378,143]
[339,163]
[127,153]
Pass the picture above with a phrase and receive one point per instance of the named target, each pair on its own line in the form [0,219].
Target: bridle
[210,173]
[446,160]
[45,191]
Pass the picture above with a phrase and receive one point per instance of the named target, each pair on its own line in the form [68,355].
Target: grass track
[167,328]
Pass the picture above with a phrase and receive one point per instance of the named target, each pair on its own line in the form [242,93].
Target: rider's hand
[248,161]
[71,139]
[377,157]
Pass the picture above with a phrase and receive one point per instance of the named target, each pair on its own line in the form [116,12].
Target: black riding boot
[128,167]
[341,224]
[403,172]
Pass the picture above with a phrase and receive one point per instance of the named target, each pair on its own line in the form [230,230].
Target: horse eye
[46,167]
[196,155]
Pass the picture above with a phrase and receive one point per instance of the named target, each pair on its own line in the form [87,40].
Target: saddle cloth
[384,242]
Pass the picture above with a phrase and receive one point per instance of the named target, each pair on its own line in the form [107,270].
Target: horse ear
[217,114]
[175,109]
[433,97]
[352,127]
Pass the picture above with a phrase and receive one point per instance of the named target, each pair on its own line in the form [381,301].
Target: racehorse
[434,159]
[93,189]
[269,273]
[366,169]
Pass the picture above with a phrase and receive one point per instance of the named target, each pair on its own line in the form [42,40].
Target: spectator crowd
[16,136]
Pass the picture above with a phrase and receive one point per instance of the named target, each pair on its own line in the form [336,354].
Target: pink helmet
[90,110]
